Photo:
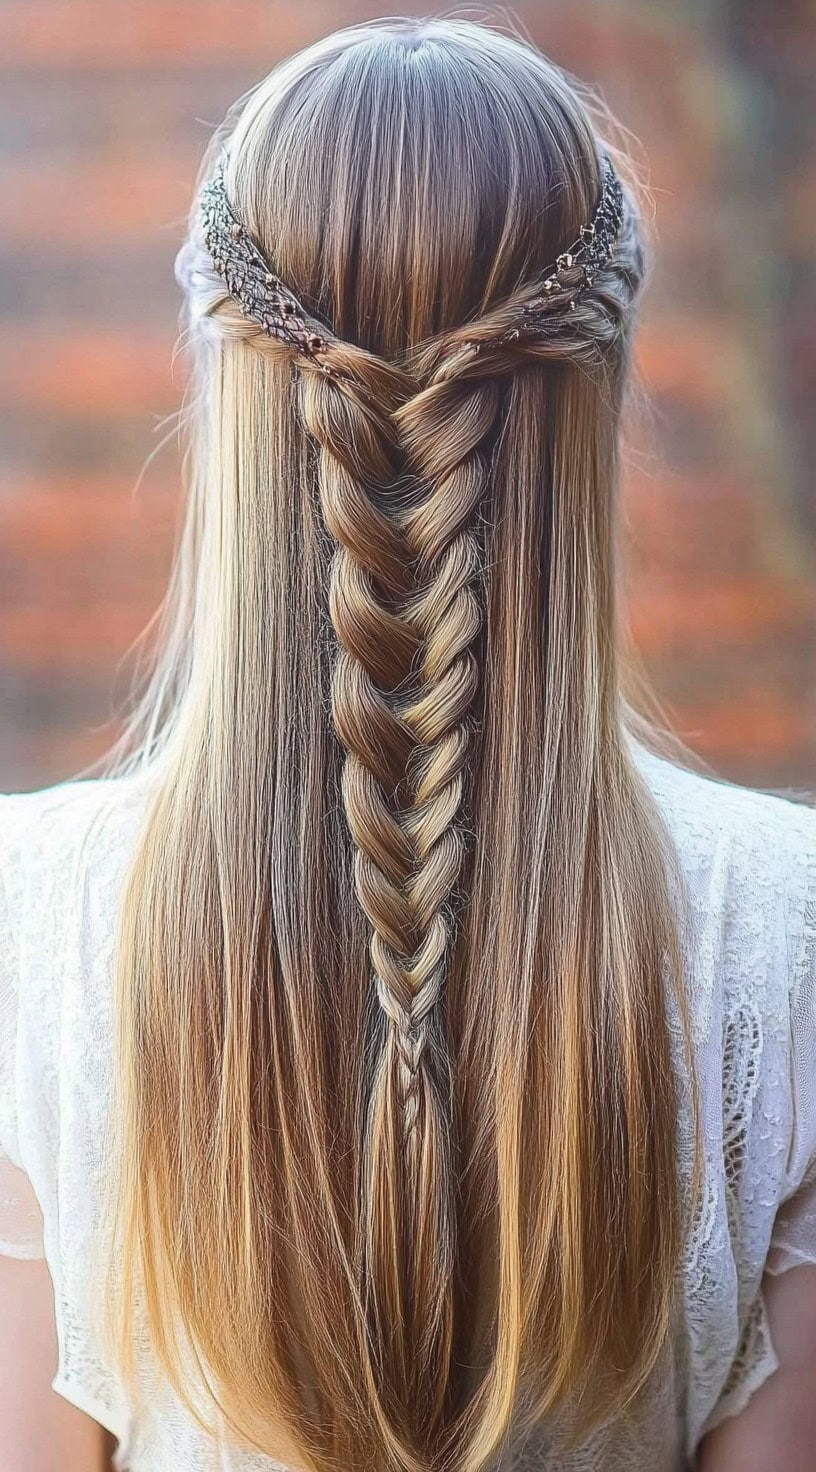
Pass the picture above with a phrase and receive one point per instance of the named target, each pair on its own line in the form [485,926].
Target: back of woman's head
[397,1111]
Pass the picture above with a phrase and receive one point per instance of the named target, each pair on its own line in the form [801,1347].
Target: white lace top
[750,864]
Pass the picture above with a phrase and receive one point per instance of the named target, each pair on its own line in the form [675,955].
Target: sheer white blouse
[749,864]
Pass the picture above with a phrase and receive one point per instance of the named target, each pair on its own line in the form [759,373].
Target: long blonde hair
[397,1106]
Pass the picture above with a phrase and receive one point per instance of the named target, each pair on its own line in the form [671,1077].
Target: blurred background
[105,107]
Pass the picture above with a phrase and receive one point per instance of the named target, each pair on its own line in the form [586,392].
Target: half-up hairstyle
[395,1162]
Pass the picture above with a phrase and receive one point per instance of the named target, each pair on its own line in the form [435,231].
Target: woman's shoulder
[747,864]
[743,851]
[748,860]
[718,809]
[63,852]
[46,820]
[50,835]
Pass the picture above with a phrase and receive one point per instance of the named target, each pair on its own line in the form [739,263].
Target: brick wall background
[104,109]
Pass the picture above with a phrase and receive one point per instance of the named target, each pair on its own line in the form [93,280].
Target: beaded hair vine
[249,277]
[261,294]
[574,269]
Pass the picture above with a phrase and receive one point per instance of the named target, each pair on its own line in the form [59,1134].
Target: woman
[415,1067]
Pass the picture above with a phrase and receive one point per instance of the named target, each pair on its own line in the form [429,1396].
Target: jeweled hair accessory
[261,294]
[574,269]
[250,278]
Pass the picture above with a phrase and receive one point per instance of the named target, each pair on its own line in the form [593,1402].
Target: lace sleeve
[21,1227]
[794,1234]
[769,1111]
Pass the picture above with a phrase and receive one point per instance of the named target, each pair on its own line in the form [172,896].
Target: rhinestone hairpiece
[261,294]
[574,268]
[249,277]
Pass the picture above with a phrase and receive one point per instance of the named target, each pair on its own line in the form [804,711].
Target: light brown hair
[396,1163]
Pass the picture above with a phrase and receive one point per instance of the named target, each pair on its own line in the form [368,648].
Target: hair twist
[588,334]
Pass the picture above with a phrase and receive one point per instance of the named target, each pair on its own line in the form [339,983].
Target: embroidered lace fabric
[748,862]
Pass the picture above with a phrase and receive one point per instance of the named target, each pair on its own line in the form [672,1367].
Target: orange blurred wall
[102,103]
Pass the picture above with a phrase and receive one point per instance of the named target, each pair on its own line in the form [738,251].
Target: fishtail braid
[444,429]
[352,412]
[349,417]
